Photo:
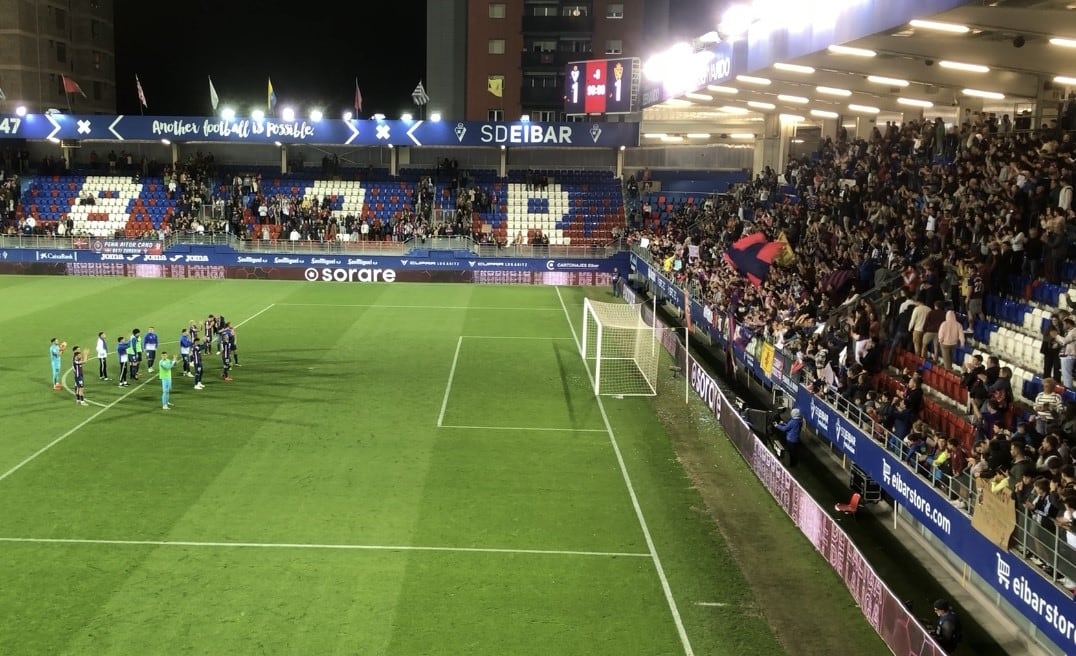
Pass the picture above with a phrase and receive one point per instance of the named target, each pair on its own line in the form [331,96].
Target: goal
[619,348]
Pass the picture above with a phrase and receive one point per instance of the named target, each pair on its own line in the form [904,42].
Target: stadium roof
[1014,50]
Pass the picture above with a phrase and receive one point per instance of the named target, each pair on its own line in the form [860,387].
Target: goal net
[619,349]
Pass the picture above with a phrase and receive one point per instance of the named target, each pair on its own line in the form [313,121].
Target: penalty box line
[322,547]
[34,456]
[452,376]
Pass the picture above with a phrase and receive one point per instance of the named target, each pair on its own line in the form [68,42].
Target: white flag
[214,99]
[419,95]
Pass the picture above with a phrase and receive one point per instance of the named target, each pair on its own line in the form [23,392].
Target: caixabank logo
[349,275]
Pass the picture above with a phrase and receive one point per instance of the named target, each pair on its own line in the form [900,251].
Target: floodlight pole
[687,365]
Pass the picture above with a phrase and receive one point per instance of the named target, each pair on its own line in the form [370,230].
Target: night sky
[312,51]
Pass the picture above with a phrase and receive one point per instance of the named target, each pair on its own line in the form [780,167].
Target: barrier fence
[885,612]
[1024,587]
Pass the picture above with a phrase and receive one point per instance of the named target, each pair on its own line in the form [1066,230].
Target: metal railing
[43,243]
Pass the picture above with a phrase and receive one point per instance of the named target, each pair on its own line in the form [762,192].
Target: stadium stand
[874,227]
[98,206]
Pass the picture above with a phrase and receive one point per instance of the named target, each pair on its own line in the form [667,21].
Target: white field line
[712,604]
[448,386]
[324,547]
[524,428]
[544,339]
[420,307]
[33,456]
[666,588]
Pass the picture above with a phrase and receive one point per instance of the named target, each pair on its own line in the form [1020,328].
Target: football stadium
[760,342]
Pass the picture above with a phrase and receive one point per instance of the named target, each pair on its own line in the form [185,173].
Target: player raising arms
[54,360]
[78,363]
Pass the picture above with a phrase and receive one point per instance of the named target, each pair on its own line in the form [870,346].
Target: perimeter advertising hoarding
[885,612]
[601,86]
[1020,584]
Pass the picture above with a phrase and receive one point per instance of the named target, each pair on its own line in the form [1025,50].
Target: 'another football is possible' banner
[335,132]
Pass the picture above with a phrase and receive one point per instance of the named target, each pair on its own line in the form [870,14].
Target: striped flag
[358,97]
[70,86]
[141,94]
[419,95]
[3,96]
[271,95]
[214,99]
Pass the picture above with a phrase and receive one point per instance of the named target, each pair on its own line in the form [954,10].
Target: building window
[545,115]
[98,90]
[59,81]
[575,11]
[95,29]
[61,52]
[545,10]
[496,46]
[615,10]
[97,60]
[614,47]
[495,115]
[61,18]
[542,80]
[574,45]
[543,46]
[497,10]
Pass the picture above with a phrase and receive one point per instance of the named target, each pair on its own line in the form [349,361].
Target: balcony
[555,59]
[542,96]
[557,24]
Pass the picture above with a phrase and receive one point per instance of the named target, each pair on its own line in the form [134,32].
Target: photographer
[947,632]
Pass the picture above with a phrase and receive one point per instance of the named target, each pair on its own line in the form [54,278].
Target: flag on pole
[3,96]
[271,96]
[70,86]
[419,95]
[141,94]
[358,97]
[214,99]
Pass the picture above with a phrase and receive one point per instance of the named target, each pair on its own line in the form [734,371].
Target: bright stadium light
[794,68]
[228,114]
[962,66]
[824,113]
[166,142]
[406,116]
[914,102]
[940,26]
[378,117]
[348,116]
[435,116]
[833,91]
[288,114]
[20,110]
[258,115]
[849,50]
[978,93]
[890,81]
[315,115]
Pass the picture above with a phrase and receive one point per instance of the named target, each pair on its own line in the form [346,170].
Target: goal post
[619,349]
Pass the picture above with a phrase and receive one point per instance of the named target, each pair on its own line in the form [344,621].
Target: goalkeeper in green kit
[164,372]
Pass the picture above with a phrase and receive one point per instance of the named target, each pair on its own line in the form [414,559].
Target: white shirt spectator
[294,236]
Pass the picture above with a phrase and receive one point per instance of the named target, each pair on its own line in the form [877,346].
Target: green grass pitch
[395,469]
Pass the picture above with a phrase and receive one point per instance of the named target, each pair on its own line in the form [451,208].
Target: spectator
[950,336]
